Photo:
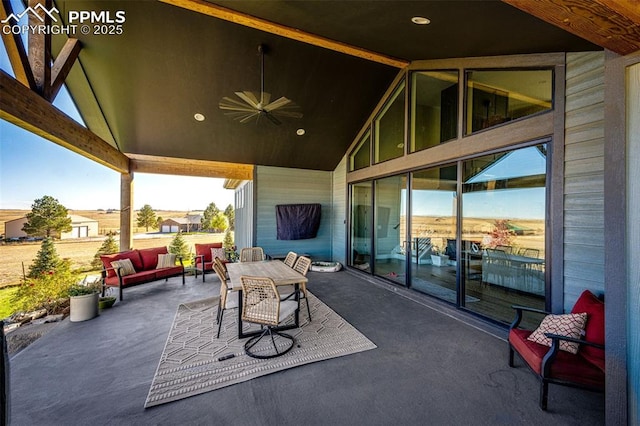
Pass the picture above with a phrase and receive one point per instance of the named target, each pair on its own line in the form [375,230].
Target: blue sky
[31,167]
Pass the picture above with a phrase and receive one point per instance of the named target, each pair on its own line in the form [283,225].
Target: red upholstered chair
[204,258]
[586,369]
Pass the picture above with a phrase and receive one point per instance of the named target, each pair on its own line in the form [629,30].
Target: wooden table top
[280,273]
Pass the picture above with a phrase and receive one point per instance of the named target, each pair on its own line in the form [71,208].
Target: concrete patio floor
[434,365]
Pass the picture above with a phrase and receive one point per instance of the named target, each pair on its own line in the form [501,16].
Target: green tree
[207,217]
[159,221]
[227,242]
[179,246]
[48,290]
[147,217]
[47,259]
[109,246]
[230,213]
[47,216]
[219,222]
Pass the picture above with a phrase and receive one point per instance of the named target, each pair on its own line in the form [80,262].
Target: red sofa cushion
[566,366]
[150,257]
[205,249]
[133,255]
[594,330]
[140,277]
[168,272]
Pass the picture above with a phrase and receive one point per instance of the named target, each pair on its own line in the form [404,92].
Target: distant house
[81,227]
[190,223]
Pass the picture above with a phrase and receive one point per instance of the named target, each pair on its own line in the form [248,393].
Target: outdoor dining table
[281,275]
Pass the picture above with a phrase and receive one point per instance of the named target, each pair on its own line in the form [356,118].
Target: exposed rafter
[32,66]
[15,50]
[611,24]
[219,12]
[23,107]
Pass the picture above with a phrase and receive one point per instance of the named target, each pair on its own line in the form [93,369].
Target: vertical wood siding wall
[275,185]
[584,176]
[339,213]
[633,242]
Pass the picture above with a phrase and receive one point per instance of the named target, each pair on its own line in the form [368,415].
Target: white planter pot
[84,307]
[440,260]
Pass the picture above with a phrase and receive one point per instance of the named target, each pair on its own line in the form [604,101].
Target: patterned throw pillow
[570,325]
[217,252]
[126,265]
[166,260]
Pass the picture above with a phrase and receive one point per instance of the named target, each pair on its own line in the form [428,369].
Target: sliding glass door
[390,227]
[503,231]
[433,232]
[361,226]
[470,233]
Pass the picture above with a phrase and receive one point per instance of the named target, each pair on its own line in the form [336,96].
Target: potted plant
[438,258]
[106,301]
[83,302]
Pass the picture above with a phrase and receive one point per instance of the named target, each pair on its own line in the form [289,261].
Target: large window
[496,97]
[360,157]
[388,128]
[434,108]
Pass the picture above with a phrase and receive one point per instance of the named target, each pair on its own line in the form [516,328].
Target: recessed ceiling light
[300,132]
[420,20]
[198,116]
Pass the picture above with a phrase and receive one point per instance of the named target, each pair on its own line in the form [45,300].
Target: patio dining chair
[290,260]
[251,254]
[261,304]
[302,266]
[228,298]
[221,264]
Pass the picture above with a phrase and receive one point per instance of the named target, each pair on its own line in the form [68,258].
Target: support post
[126,211]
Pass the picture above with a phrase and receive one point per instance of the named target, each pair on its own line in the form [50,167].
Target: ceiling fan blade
[289,114]
[272,118]
[249,98]
[232,104]
[250,116]
[278,103]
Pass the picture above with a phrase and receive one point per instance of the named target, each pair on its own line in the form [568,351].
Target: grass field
[16,257]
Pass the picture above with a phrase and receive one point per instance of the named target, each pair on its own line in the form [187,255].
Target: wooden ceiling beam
[188,167]
[15,50]
[210,9]
[611,24]
[25,108]
[62,65]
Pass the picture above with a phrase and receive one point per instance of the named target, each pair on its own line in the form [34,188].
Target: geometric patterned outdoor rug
[189,364]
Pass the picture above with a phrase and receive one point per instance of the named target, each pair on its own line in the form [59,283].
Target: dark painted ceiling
[171,63]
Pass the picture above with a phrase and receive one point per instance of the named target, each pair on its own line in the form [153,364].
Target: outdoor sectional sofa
[145,264]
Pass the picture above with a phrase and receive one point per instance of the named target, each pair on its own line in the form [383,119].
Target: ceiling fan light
[300,132]
[199,117]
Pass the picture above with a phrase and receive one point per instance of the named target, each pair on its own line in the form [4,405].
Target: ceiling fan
[255,105]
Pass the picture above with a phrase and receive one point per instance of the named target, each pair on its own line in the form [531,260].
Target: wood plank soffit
[187,167]
[210,9]
[15,50]
[25,108]
[611,24]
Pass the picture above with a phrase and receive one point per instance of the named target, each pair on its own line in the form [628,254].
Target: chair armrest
[550,356]
[519,309]
[558,337]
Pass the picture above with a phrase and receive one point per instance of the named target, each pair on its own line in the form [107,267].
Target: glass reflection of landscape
[499,258]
